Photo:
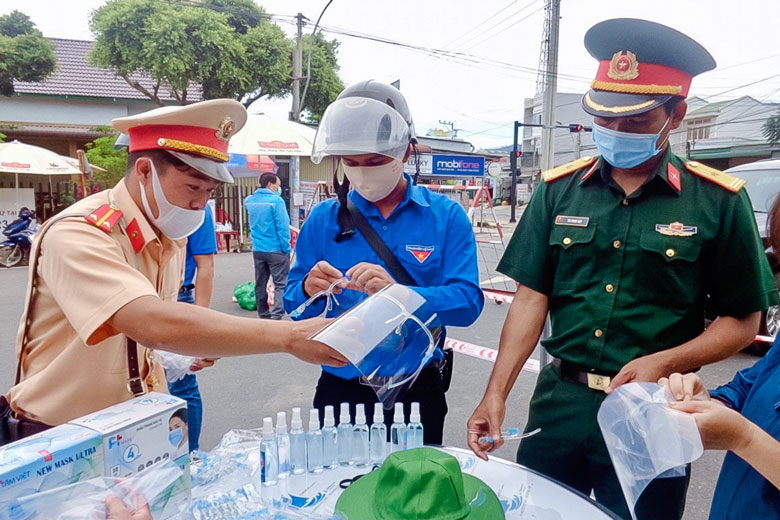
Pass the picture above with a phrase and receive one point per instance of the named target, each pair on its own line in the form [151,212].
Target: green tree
[325,84]
[101,152]
[771,129]
[25,55]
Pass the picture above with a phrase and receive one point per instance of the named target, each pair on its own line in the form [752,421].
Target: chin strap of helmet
[416,158]
[343,217]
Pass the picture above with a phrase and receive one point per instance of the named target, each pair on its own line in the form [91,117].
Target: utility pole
[297,65]
[513,165]
[552,23]
[295,161]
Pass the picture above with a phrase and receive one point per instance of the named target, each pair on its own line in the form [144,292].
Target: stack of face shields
[646,438]
[389,338]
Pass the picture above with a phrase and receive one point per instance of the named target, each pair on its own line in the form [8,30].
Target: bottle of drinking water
[297,443]
[269,454]
[345,436]
[314,443]
[414,430]
[330,438]
[398,429]
[378,436]
[283,443]
[360,437]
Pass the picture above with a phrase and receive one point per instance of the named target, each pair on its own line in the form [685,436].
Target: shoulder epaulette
[568,168]
[731,183]
[105,217]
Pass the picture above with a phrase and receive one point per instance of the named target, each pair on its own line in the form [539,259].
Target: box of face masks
[137,433]
[57,457]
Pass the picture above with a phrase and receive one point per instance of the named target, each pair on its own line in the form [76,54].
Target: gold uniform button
[625,202]
[616,244]
[598,333]
[609,288]
[566,241]
[670,253]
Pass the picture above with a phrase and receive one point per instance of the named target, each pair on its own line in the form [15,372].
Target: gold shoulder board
[731,183]
[568,168]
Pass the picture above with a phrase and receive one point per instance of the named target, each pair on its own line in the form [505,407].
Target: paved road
[239,392]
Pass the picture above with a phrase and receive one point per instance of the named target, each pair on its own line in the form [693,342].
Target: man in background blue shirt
[369,128]
[269,224]
[197,288]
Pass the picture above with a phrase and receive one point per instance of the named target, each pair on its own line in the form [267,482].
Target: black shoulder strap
[398,271]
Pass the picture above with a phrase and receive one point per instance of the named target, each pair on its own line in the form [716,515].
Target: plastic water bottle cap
[360,414]
[398,416]
[414,416]
[344,417]
[379,413]
[296,422]
[330,419]
[314,420]
[268,428]
[281,422]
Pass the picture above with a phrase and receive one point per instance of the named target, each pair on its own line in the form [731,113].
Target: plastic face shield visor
[389,337]
[358,126]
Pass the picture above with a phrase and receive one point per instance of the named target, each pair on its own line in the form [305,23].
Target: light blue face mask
[175,436]
[625,149]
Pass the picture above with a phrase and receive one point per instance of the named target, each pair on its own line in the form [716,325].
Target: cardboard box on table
[136,434]
[57,457]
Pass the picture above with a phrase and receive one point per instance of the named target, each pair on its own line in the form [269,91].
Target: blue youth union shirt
[743,492]
[430,235]
[202,242]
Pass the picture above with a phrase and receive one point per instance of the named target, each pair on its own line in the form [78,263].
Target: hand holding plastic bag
[645,437]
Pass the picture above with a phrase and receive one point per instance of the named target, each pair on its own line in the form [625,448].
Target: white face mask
[375,183]
[173,222]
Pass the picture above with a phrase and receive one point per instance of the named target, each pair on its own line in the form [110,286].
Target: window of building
[699,128]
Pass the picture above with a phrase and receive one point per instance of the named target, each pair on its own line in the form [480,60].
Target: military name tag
[566,220]
[676,229]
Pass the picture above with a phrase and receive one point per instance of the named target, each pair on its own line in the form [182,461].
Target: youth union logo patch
[421,253]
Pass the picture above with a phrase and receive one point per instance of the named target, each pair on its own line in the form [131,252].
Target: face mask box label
[141,432]
[57,457]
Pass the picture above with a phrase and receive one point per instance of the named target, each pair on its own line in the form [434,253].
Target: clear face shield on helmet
[358,126]
[389,337]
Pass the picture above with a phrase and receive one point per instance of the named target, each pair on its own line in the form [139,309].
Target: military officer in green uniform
[623,250]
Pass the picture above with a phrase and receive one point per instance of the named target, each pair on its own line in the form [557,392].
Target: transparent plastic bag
[85,500]
[646,439]
[389,338]
[176,365]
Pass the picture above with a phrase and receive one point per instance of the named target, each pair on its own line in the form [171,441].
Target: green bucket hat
[419,484]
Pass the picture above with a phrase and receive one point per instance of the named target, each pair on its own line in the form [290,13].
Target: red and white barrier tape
[764,339]
[488,354]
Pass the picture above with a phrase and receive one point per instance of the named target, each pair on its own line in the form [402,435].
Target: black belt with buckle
[185,288]
[577,374]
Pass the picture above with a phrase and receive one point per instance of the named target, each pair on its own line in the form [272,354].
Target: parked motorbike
[18,238]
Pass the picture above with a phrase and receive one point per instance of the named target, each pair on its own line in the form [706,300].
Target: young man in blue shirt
[369,129]
[197,288]
[270,227]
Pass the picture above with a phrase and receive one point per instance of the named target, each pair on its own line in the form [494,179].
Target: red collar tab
[673,176]
[135,236]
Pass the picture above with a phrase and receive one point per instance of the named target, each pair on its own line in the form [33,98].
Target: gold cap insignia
[623,66]
[226,128]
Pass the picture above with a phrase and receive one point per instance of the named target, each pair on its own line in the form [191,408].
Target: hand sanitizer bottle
[269,455]
[297,443]
[283,443]
[398,429]
[345,436]
[360,437]
[378,436]
[414,430]
[314,443]
[330,438]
